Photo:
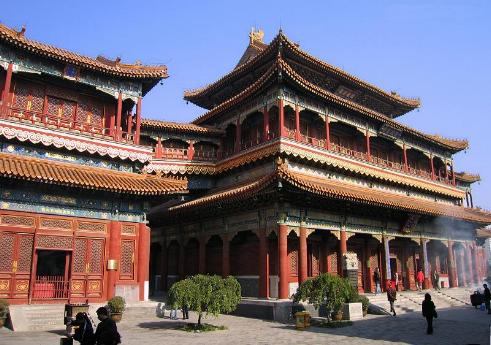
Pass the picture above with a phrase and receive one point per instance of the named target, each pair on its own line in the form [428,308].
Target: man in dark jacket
[391,296]
[107,332]
[84,333]
[487,297]
[429,312]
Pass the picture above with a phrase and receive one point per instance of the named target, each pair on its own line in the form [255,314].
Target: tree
[206,294]
[326,289]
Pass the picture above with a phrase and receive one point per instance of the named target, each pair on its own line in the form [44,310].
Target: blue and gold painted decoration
[65,157]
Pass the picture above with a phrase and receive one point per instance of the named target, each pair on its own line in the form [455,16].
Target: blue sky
[439,51]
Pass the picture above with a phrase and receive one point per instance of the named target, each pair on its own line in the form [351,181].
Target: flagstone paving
[462,325]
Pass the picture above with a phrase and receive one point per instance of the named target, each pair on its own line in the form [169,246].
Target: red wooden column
[164,264]
[367,139]
[129,124]
[302,255]
[468,257]
[446,172]
[452,270]
[265,124]
[6,87]
[343,249]
[114,254]
[263,264]
[119,109]
[138,120]
[283,289]
[297,123]
[453,174]
[237,136]
[143,260]
[158,149]
[425,264]
[202,255]
[432,167]
[281,122]
[191,150]
[404,152]
[328,133]
[225,256]
[476,264]
[180,264]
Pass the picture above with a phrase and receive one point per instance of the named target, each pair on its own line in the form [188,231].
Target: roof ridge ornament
[256,36]
[22,31]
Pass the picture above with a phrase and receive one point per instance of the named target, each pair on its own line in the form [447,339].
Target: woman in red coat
[420,277]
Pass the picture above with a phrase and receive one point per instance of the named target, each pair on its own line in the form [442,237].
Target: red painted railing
[50,287]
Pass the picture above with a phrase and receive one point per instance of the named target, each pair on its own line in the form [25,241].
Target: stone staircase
[49,317]
[411,301]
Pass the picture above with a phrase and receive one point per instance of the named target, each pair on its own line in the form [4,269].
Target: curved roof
[100,64]
[467,177]
[73,175]
[179,127]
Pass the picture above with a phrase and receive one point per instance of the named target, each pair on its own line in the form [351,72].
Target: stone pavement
[459,326]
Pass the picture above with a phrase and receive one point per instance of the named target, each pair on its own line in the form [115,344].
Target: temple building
[296,168]
[72,200]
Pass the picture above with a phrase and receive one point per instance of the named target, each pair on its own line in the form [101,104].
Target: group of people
[106,332]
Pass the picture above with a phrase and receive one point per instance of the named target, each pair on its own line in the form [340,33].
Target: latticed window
[90,113]
[293,258]
[127,259]
[29,97]
[61,109]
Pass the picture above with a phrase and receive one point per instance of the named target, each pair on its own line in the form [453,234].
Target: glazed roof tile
[467,177]
[180,127]
[99,64]
[72,175]
[336,190]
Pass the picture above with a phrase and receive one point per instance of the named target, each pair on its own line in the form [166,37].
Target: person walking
[429,312]
[391,296]
[487,297]
[436,280]
[185,312]
[420,277]
[106,332]
[376,279]
[396,281]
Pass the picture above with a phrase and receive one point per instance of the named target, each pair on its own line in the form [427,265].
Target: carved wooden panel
[17,221]
[127,259]
[91,226]
[25,253]
[58,242]
[96,256]
[6,251]
[128,229]
[79,254]
[56,223]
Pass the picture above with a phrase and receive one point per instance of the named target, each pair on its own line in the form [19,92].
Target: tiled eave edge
[47,137]
[362,168]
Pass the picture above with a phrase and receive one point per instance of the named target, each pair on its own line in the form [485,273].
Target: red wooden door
[15,264]
[87,268]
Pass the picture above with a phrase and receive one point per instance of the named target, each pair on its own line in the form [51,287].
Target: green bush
[117,304]
[206,294]
[4,308]
[326,289]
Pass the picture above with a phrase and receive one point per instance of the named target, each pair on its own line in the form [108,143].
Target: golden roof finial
[255,36]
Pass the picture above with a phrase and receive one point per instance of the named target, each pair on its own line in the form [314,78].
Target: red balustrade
[50,287]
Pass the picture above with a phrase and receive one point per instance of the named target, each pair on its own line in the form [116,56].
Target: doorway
[52,274]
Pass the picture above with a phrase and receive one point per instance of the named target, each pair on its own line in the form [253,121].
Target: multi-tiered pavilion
[298,167]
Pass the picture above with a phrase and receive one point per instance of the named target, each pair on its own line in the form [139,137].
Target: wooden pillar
[138,120]
[388,273]
[202,255]
[143,260]
[263,264]
[367,139]
[114,254]
[158,149]
[425,264]
[119,109]
[6,88]
[237,136]
[452,270]
[302,255]
[328,133]
[129,125]
[404,152]
[180,264]
[432,167]
[297,123]
[281,122]
[343,249]
[470,274]
[368,272]
[265,124]
[191,150]
[284,272]
[164,264]
[475,260]
[470,198]
[225,256]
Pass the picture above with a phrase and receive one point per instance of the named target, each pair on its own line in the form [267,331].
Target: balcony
[62,123]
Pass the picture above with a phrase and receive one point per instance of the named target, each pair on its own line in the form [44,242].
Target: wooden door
[15,264]
[87,268]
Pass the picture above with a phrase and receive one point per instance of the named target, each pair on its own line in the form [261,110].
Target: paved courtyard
[459,326]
